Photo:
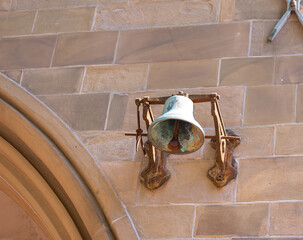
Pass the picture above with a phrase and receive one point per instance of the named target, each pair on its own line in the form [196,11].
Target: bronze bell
[176,130]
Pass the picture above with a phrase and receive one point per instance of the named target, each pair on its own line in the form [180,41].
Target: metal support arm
[293,6]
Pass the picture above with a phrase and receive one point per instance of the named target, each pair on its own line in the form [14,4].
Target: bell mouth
[190,134]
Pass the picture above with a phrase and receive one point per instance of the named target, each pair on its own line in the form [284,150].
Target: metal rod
[195,98]
[207,137]
[292,6]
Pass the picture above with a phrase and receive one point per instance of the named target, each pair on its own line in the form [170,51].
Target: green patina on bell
[176,130]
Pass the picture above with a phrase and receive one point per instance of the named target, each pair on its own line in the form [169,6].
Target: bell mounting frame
[224,142]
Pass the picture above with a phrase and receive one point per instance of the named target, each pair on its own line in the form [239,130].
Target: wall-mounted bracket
[224,142]
[222,174]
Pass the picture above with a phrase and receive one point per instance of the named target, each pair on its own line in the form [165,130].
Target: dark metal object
[155,174]
[293,6]
[223,172]
[224,142]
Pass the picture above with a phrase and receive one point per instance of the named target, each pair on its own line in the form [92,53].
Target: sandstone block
[80,112]
[279,238]
[270,179]
[52,81]
[236,10]
[117,78]
[85,48]
[188,184]
[289,70]
[183,74]
[16,222]
[255,141]
[13,74]
[16,23]
[124,227]
[169,221]
[232,220]
[124,177]
[149,14]
[256,238]
[64,20]
[260,46]
[247,71]
[108,146]
[183,43]
[288,139]
[26,52]
[117,112]
[5,5]
[269,105]
[46,4]
[300,104]
[286,218]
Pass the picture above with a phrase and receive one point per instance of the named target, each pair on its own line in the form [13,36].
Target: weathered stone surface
[163,221]
[64,20]
[227,10]
[16,223]
[117,112]
[261,46]
[231,104]
[229,219]
[257,238]
[289,139]
[270,179]
[183,74]
[289,70]
[247,71]
[300,104]
[109,146]
[16,23]
[149,14]
[255,141]
[26,52]
[188,184]
[13,74]
[5,5]
[46,4]
[54,80]
[117,78]
[85,48]
[235,10]
[80,112]
[267,238]
[183,43]
[286,218]
[124,227]
[124,177]
[270,105]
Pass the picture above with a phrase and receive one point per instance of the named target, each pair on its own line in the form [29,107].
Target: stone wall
[89,59]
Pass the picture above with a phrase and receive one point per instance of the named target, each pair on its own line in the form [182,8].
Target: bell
[176,130]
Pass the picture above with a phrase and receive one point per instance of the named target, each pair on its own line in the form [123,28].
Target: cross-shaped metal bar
[292,6]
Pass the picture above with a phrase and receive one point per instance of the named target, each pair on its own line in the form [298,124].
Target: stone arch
[48,171]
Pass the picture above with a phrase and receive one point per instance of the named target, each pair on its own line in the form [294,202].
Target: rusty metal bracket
[225,168]
[155,174]
[224,142]
[293,6]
